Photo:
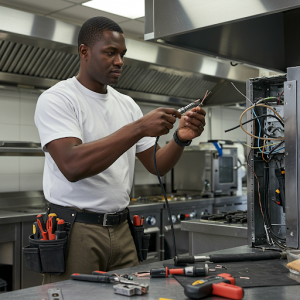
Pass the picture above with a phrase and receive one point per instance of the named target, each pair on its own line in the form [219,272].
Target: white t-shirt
[68,109]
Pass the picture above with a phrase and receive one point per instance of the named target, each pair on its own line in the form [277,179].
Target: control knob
[173,219]
[182,217]
[151,220]
[193,214]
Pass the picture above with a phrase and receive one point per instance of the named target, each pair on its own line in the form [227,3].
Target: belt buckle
[105,219]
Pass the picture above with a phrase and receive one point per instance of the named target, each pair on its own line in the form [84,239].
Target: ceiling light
[132,9]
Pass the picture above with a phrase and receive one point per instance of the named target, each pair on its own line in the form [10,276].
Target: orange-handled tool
[42,227]
[51,226]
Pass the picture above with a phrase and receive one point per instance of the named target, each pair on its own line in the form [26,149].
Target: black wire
[266,208]
[277,146]
[261,116]
[164,192]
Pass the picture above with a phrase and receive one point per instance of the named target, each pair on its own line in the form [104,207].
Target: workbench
[159,287]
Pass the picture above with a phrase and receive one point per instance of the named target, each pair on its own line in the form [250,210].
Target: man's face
[106,58]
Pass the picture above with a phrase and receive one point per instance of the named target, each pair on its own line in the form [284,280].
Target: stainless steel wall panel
[32,62]
[10,59]
[28,59]
[17,58]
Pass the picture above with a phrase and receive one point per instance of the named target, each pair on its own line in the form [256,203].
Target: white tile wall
[16,124]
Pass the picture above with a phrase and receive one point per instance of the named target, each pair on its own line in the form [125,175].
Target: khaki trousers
[95,247]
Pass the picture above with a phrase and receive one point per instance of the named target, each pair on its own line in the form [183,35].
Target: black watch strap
[179,142]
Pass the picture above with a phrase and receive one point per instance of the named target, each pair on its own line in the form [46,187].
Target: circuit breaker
[273,160]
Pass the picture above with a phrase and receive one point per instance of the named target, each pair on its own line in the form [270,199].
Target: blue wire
[260,133]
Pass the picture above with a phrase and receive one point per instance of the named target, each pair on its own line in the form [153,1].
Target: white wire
[242,93]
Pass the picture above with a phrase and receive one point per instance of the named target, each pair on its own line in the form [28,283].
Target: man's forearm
[167,157]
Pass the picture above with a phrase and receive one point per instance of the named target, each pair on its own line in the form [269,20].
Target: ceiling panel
[37,6]
[79,14]
[133,27]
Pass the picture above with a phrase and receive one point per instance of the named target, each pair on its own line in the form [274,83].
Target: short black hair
[91,30]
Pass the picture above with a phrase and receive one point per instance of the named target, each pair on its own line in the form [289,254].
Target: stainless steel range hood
[38,51]
[261,33]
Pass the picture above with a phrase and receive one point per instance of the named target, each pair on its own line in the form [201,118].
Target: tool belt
[50,256]
[141,240]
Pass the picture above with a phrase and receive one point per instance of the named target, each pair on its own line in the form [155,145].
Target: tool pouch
[50,256]
[141,240]
[46,256]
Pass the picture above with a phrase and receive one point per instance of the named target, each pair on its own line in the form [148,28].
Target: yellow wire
[260,146]
[254,136]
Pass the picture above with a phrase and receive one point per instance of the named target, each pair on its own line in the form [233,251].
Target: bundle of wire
[182,110]
[264,206]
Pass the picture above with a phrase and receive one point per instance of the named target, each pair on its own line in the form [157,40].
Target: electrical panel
[273,168]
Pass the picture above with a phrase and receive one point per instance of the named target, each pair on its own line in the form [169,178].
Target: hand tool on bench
[187,271]
[217,258]
[107,278]
[220,285]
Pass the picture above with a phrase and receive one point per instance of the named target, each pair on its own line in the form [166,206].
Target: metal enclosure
[207,173]
[284,220]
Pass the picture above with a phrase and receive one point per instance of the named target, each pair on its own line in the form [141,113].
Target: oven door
[224,174]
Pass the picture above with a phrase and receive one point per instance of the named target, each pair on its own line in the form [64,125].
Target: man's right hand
[158,122]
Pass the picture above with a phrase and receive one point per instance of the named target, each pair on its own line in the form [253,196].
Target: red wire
[279,98]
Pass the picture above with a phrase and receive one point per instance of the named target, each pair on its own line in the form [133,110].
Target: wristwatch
[179,142]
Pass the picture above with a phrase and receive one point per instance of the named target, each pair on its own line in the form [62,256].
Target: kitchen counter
[214,235]
[158,287]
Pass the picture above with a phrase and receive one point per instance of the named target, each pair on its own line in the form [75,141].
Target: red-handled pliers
[51,226]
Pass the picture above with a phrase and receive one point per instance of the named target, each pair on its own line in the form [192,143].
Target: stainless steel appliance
[206,172]
[181,210]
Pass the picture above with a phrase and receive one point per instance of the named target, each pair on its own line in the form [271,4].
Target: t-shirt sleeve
[55,118]
[147,141]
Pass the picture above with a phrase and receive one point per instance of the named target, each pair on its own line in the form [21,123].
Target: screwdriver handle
[184,260]
[136,220]
[92,278]
[42,227]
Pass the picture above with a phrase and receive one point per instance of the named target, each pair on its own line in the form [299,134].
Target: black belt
[107,219]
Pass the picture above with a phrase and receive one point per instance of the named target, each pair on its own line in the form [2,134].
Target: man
[91,134]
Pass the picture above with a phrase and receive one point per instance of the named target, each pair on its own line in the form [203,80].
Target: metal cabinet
[10,233]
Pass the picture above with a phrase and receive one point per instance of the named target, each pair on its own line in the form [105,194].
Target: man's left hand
[191,124]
